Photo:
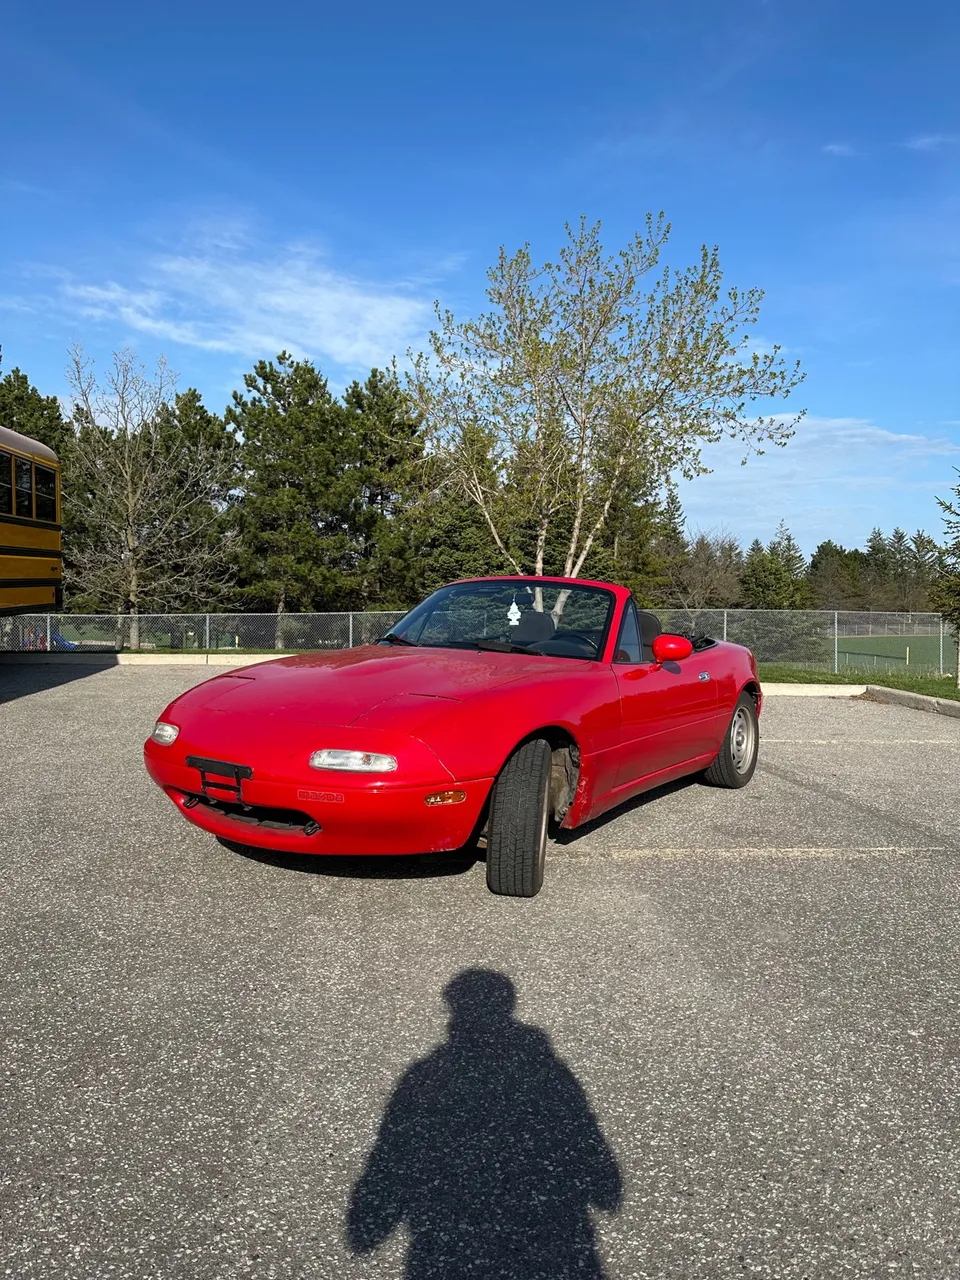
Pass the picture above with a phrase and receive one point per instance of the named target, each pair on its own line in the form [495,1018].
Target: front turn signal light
[446,797]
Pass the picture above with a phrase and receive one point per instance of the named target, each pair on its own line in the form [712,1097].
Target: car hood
[407,685]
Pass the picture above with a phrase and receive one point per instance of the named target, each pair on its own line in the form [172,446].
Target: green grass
[907,651]
[935,686]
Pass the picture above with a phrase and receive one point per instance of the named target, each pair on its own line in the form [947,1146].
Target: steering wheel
[581,635]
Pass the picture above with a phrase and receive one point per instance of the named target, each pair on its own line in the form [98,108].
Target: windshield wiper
[503,646]
[392,638]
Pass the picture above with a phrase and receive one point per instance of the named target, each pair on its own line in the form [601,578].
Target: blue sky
[217,181]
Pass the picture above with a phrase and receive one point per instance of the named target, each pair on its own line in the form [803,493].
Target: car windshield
[511,615]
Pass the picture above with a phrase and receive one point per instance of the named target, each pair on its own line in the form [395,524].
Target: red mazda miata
[497,706]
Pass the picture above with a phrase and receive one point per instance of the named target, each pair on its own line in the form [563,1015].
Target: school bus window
[6,484]
[24,493]
[46,482]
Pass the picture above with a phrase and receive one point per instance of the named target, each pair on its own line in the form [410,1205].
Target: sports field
[895,652]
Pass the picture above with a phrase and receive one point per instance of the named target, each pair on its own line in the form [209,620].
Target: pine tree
[452,537]
[835,576]
[387,440]
[24,409]
[946,586]
[878,571]
[452,540]
[925,559]
[774,577]
[301,481]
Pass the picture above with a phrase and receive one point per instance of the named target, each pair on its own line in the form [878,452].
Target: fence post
[206,632]
[350,632]
[48,633]
[941,644]
[836,644]
[724,624]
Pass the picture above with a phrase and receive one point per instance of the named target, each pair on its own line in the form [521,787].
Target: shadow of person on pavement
[488,1153]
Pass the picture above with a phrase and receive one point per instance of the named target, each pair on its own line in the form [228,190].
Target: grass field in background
[862,652]
[934,686]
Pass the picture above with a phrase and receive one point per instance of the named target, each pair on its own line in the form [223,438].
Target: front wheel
[517,830]
[737,758]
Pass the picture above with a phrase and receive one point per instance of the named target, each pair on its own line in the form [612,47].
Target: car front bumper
[354,816]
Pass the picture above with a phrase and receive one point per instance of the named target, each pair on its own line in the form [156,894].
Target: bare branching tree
[593,377]
[152,490]
[705,574]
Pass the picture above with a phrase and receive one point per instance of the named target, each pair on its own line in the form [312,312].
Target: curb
[138,659]
[917,701]
[813,690]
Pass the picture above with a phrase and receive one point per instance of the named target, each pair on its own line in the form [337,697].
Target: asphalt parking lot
[218,1066]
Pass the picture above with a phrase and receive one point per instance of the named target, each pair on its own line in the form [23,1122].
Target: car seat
[533,627]
[650,628]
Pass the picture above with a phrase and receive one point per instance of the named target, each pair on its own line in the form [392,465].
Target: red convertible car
[496,707]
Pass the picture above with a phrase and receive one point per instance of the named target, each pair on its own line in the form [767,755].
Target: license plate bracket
[225,769]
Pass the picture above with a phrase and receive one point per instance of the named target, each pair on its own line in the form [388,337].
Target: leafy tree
[151,494]
[592,378]
[301,481]
[205,529]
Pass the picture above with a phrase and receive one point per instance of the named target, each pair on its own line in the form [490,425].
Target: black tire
[517,829]
[737,759]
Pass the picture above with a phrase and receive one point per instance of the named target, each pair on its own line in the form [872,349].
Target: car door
[668,712]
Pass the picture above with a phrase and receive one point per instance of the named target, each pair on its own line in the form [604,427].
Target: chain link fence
[820,640]
[823,640]
[199,632]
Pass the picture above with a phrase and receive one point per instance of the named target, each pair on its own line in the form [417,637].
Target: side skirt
[620,795]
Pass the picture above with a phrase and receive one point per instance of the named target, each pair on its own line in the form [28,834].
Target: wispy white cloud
[221,291]
[838,477]
[930,141]
[864,436]
[838,149]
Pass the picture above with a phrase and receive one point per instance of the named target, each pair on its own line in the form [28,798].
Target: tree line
[894,572]
[544,436]
[294,499]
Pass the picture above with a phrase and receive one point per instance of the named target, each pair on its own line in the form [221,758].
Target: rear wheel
[517,829]
[737,758]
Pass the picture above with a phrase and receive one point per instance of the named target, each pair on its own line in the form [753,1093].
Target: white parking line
[812,851]
[860,742]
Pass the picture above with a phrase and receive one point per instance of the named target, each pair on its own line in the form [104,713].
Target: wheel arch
[565,764]
[752,687]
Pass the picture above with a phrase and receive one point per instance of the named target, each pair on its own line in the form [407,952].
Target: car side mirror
[671,649]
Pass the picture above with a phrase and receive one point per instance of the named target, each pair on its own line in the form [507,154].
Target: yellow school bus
[31,579]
